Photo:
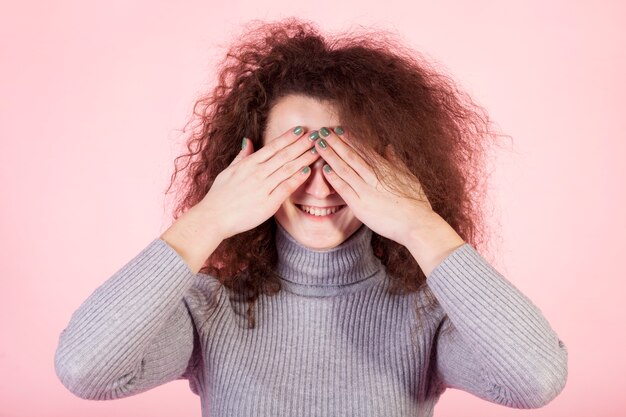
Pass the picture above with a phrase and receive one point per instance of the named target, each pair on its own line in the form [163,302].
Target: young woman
[329,266]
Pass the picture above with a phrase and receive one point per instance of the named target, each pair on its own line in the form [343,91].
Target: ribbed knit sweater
[332,342]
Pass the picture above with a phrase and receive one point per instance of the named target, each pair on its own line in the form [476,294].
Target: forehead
[293,110]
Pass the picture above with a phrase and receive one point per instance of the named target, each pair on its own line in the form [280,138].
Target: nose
[317,185]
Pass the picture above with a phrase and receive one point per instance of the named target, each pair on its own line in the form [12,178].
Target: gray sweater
[332,342]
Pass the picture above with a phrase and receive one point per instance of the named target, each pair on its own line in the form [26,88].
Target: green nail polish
[297,130]
[324,132]
[327,168]
[313,150]
[339,130]
[243,143]
[314,135]
[322,143]
[306,170]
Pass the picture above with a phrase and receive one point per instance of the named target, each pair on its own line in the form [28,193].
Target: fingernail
[326,167]
[322,143]
[339,130]
[306,170]
[297,130]
[243,143]
[324,132]
[314,135]
[313,150]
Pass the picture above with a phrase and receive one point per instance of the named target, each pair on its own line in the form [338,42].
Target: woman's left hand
[371,201]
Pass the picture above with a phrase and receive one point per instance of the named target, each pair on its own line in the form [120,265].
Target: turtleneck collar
[346,268]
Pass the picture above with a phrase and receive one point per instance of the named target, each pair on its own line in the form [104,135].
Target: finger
[353,156]
[339,173]
[286,155]
[346,137]
[247,147]
[345,190]
[288,169]
[344,160]
[274,146]
[284,182]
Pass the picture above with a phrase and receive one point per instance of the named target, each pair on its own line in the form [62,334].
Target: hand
[252,188]
[372,202]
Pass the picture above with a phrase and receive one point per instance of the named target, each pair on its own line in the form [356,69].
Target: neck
[345,268]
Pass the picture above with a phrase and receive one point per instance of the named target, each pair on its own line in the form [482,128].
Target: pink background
[92,99]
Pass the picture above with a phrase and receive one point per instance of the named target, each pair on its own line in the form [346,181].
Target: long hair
[384,92]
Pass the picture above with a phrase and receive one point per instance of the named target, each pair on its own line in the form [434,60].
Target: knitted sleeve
[134,332]
[494,342]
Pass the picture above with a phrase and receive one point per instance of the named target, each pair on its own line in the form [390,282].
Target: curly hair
[384,93]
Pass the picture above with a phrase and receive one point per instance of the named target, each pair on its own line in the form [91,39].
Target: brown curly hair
[384,92]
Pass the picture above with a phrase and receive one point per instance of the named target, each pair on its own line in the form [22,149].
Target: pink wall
[91,98]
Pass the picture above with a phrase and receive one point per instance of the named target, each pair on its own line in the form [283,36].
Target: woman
[334,270]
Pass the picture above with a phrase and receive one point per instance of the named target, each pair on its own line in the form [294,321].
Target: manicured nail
[314,135]
[322,143]
[339,130]
[297,130]
[313,150]
[306,170]
[326,167]
[243,143]
[324,132]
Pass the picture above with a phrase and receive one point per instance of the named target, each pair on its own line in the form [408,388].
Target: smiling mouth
[320,212]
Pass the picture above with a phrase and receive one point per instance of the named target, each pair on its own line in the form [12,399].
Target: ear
[395,159]
[390,153]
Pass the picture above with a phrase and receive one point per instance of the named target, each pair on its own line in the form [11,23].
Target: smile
[311,211]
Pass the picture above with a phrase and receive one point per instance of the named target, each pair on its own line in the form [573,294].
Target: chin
[318,234]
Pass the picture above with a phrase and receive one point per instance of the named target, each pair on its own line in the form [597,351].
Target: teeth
[319,212]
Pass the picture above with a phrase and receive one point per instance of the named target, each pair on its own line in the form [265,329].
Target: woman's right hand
[252,188]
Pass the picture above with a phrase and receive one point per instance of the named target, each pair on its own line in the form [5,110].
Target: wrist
[431,240]
[195,235]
